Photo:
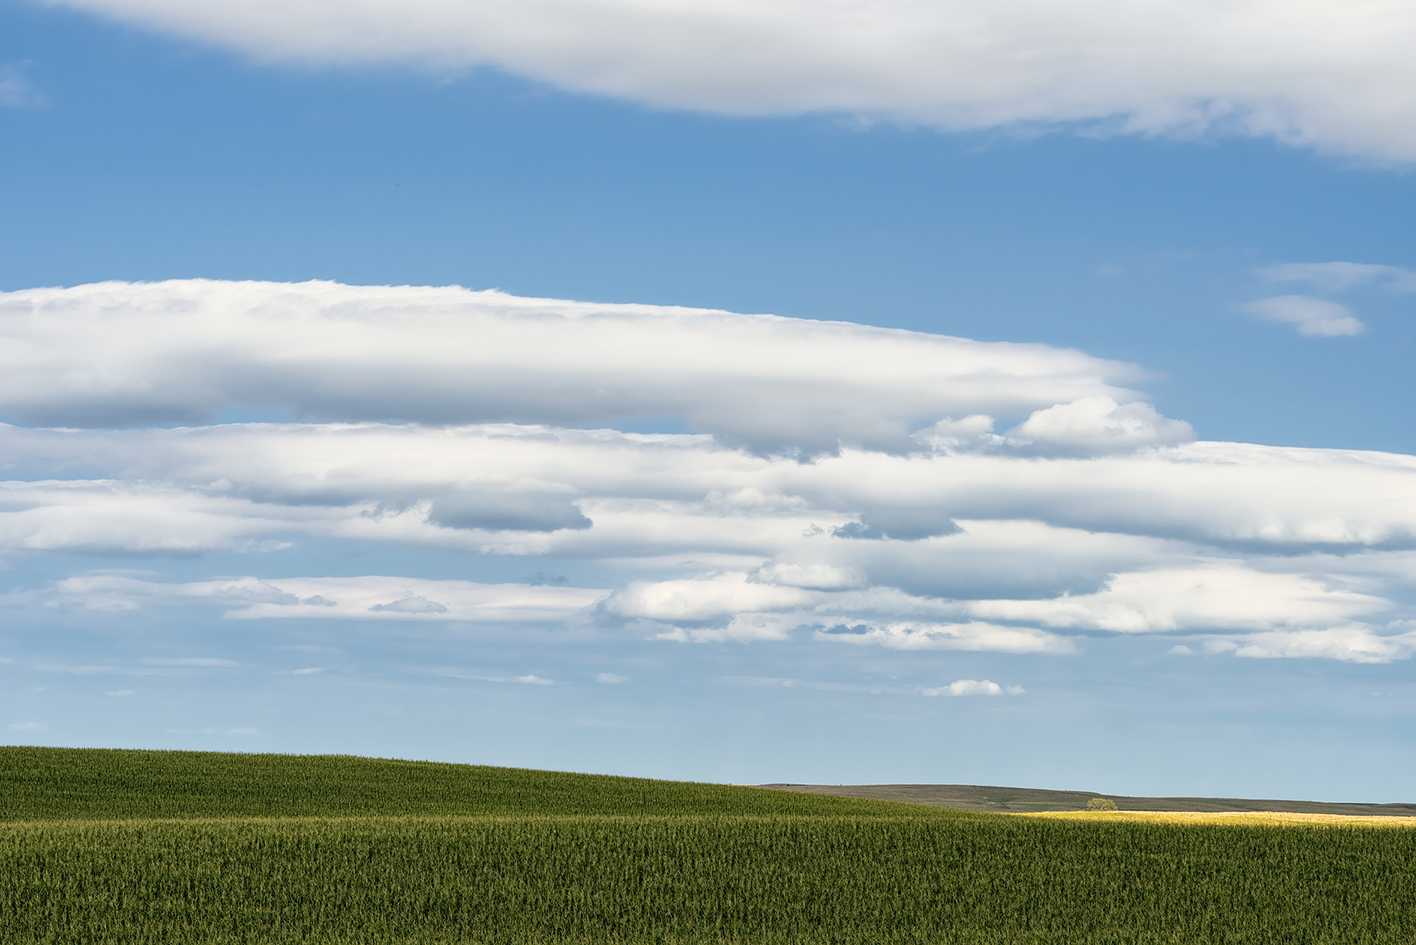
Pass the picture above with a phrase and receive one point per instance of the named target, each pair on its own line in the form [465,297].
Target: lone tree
[1101,803]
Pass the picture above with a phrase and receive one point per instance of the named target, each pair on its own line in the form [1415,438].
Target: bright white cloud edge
[124,354]
[1337,75]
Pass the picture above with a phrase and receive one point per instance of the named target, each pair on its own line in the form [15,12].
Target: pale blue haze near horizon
[140,150]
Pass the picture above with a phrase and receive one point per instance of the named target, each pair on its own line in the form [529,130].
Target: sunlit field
[185,847]
[1238,818]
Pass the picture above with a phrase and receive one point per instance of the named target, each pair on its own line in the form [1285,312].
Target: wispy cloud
[612,679]
[1312,317]
[16,88]
[1352,642]
[1341,276]
[26,727]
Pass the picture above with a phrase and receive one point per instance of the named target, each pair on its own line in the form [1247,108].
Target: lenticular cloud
[118,354]
[848,489]
[1338,75]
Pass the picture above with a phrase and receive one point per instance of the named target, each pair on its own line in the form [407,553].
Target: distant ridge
[1030,800]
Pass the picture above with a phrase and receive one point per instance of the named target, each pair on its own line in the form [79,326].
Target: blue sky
[697,627]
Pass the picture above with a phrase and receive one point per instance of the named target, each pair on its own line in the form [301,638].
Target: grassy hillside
[65,783]
[352,850]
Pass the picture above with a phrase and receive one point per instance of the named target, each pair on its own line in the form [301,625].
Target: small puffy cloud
[1099,425]
[1312,317]
[974,687]
[307,671]
[611,679]
[957,434]
[26,727]
[411,604]
[1337,75]
[1340,276]
[530,679]
[701,598]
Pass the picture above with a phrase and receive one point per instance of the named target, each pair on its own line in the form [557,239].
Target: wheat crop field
[178,847]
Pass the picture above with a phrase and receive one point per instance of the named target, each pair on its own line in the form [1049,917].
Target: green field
[104,846]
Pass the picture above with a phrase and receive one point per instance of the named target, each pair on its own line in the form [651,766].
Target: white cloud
[1335,74]
[1216,493]
[1097,425]
[119,692]
[16,89]
[974,636]
[650,496]
[1340,276]
[411,604]
[530,679]
[1017,551]
[1222,595]
[190,661]
[1353,642]
[1313,317]
[974,687]
[369,597]
[1108,520]
[99,517]
[611,679]
[307,671]
[173,352]
[27,727]
[706,597]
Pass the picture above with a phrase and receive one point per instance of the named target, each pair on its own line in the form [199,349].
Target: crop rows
[701,878]
[859,872]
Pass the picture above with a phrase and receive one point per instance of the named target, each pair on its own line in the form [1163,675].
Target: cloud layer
[118,354]
[1337,75]
[1091,516]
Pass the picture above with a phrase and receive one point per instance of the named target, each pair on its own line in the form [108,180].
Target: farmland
[193,847]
